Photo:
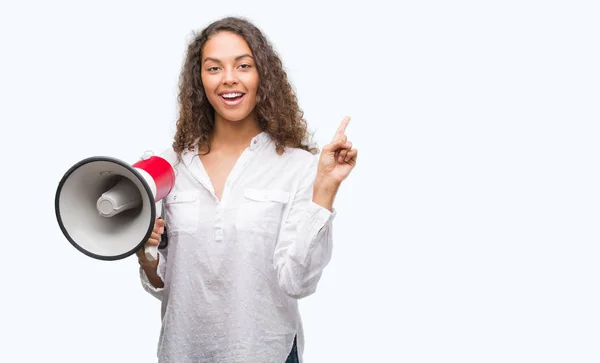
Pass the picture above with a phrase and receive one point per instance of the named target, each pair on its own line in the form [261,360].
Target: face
[230,77]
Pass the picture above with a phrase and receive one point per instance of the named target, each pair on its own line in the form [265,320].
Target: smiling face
[230,77]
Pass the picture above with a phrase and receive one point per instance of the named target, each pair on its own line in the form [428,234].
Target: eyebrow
[236,58]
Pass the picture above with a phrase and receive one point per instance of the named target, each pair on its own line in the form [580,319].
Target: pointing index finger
[342,129]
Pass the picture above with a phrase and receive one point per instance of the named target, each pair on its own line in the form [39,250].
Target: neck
[233,136]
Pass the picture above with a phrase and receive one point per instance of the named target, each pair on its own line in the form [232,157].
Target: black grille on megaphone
[106,208]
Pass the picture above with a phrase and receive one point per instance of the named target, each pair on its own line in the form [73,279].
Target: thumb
[337,145]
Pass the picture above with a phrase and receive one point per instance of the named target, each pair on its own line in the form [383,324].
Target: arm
[150,269]
[324,194]
[152,272]
[305,241]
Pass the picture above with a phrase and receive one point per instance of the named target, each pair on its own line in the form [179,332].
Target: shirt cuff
[319,216]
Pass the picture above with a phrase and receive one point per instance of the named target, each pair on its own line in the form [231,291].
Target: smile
[232,98]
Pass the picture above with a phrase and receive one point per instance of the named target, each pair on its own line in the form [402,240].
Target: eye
[212,69]
[245,66]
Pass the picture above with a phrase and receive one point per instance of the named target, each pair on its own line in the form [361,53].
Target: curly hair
[279,114]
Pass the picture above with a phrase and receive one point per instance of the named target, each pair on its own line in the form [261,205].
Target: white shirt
[234,269]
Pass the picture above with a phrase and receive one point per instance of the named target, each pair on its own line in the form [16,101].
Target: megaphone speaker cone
[106,208]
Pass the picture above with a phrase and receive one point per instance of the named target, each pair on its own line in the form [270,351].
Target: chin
[238,116]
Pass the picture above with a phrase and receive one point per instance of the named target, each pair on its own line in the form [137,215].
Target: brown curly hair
[277,107]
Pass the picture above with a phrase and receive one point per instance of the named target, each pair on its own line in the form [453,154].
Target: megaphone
[107,208]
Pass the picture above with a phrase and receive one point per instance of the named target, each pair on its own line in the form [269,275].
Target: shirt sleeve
[305,243]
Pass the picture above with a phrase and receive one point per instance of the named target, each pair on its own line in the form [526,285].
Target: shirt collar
[259,140]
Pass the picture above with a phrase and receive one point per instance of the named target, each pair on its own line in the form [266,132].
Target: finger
[342,156]
[347,148]
[159,226]
[155,236]
[341,140]
[351,156]
[336,144]
[153,242]
[342,129]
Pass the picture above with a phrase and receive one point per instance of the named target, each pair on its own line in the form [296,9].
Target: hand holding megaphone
[149,252]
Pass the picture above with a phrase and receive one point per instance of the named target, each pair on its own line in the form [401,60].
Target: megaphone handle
[151,252]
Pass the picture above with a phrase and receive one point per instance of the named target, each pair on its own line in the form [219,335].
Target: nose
[229,77]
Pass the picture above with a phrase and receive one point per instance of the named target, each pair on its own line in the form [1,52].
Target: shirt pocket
[261,210]
[182,212]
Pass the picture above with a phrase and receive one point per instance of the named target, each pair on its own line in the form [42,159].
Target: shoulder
[300,162]
[292,160]
[300,156]
[169,154]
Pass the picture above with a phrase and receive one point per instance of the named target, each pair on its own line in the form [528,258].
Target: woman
[249,221]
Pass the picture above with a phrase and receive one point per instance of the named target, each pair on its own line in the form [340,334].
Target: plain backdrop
[468,232]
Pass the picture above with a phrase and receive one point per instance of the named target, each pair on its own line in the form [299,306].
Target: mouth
[232,98]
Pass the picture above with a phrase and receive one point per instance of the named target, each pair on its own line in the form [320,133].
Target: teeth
[231,95]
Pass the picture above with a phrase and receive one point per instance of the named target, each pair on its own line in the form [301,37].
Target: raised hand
[338,158]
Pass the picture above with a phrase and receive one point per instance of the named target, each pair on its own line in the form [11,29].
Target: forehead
[225,46]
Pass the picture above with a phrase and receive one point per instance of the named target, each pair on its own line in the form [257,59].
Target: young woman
[249,221]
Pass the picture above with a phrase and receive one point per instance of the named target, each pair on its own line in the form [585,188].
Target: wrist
[145,263]
[325,182]
[324,192]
